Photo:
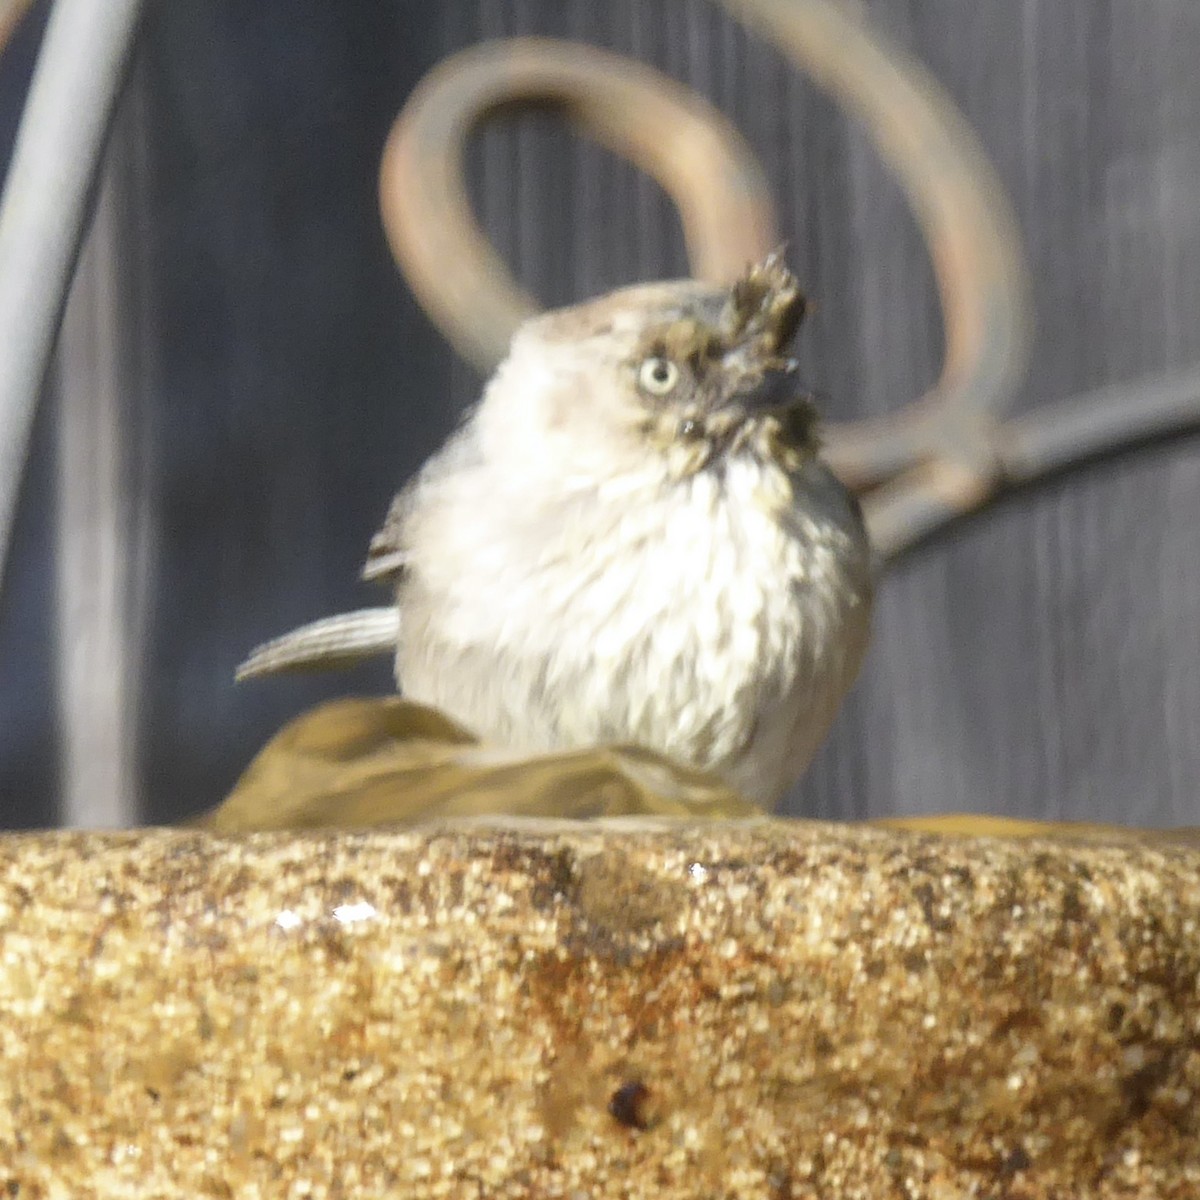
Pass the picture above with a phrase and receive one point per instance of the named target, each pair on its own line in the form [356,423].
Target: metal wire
[1085,427]
[936,457]
[79,75]
[934,460]
[670,132]
[963,213]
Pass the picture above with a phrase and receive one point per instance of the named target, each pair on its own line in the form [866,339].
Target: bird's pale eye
[658,375]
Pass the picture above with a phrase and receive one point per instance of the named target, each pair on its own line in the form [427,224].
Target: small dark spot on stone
[823,1046]
[1072,906]
[154,1094]
[964,876]
[915,961]
[402,897]
[1139,1088]
[554,881]
[1014,1162]
[875,968]
[925,897]
[893,1159]
[349,1075]
[1116,1015]
[335,945]
[630,1104]
[780,1183]
[13,1187]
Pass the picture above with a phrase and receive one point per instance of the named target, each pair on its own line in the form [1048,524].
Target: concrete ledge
[546,1009]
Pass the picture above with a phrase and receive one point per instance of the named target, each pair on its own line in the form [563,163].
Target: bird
[631,539]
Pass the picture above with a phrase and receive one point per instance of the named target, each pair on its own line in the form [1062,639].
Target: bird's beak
[767,390]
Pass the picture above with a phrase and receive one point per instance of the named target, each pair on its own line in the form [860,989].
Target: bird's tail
[329,644]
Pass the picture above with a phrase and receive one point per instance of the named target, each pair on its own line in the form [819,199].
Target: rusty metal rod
[968,227]
[1055,436]
[948,443]
[919,468]
[666,129]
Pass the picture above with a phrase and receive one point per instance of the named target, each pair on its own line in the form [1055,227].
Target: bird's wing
[386,556]
[328,644]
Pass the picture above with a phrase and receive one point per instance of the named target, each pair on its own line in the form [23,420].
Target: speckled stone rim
[627,1008]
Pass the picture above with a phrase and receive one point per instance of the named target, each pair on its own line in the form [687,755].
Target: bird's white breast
[716,619]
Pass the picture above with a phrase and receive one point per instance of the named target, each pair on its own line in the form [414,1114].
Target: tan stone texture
[656,1010]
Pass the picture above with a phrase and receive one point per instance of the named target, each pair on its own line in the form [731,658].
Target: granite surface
[758,1009]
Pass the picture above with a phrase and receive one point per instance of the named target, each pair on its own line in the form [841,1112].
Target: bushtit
[631,539]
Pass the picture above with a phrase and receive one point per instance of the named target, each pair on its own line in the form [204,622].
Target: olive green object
[369,761]
[376,761]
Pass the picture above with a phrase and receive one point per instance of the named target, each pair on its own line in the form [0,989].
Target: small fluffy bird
[630,539]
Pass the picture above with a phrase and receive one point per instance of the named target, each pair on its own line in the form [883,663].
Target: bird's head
[681,373]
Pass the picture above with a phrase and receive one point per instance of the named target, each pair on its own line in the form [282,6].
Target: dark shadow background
[29,744]
[1042,659]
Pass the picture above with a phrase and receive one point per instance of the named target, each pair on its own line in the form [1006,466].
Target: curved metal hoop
[939,455]
[667,130]
[960,206]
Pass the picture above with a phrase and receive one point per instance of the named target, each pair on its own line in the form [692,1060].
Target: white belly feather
[707,620]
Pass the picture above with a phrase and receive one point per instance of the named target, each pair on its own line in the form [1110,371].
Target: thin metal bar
[99,529]
[1053,437]
[79,75]
[919,467]
[1118,417]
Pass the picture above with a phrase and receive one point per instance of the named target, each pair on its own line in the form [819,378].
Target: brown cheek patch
[686,341]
